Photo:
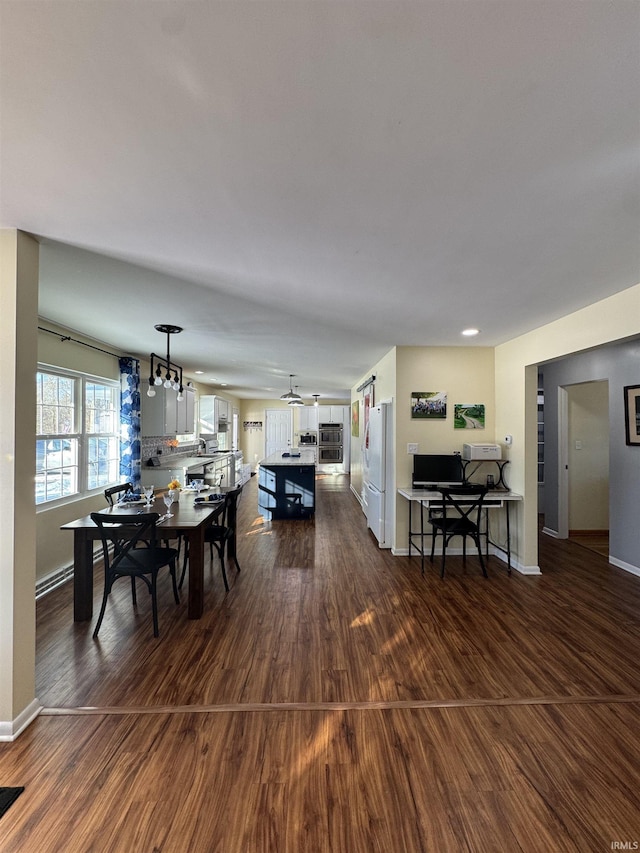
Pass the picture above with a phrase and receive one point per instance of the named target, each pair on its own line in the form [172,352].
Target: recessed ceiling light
[469,333]
[198,372]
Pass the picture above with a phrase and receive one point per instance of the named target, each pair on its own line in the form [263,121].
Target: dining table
[188,518]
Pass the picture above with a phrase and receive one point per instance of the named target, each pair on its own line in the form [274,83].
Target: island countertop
[307,457]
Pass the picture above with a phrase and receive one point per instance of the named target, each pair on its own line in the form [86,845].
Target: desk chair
[135,555]
[461,516]
[222,536]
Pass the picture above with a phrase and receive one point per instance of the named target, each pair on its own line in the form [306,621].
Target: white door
[279,429]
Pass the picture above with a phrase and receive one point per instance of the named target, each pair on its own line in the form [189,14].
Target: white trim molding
[9,730]
[627,567]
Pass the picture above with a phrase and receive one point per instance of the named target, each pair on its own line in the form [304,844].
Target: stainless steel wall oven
[329,435]
[330,444]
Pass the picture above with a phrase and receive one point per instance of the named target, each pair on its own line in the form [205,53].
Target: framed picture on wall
[355,418]
[632,414]
[429,405]
[468,416]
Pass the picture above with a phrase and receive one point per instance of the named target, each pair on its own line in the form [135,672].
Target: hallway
[335,700]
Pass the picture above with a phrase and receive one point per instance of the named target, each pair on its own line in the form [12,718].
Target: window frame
[81,435]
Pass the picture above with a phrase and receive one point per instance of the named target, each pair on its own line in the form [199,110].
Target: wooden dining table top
[185,513]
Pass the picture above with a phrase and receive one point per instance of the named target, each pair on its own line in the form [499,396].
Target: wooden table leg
[196,573]
[82,576]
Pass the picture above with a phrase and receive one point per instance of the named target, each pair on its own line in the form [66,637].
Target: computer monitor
[434,469]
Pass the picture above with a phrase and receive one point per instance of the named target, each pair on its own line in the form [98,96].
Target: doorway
[278,431]
[584,458]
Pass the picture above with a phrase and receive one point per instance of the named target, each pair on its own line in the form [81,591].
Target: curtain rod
[64,338]
[369,381]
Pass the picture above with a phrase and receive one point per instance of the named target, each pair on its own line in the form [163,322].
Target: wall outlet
[508,439]
[412,448]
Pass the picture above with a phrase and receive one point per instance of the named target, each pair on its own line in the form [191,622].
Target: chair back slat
[466,501]
[116,490]
[125,533]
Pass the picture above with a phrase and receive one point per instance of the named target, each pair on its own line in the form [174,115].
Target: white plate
[132,503]
[203,489]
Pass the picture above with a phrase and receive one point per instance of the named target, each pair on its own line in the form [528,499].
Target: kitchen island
[287,485]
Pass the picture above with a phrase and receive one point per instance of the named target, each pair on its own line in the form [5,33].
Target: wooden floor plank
[337,700]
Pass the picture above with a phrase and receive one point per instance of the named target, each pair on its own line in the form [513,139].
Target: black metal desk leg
[422,537]
[508,537]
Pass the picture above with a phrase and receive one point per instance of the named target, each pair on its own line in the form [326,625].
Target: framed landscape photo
[430,405]
[468,416]
[632,414]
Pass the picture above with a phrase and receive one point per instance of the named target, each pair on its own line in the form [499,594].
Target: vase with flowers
[174,487]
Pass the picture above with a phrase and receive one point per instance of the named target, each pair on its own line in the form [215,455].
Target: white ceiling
[303,185]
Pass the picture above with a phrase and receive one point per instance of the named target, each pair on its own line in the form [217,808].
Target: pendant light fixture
[297,401]
[165,364]
[315,400]
[291,395]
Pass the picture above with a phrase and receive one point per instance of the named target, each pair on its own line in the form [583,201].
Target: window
[77,434]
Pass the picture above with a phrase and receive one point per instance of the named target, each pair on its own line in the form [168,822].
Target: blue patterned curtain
[130,421]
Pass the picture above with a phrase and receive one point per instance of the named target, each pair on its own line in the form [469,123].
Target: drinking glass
[197,485]
[148,493]
[168,500]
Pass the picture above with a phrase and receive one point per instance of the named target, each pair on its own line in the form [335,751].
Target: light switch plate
[412,448]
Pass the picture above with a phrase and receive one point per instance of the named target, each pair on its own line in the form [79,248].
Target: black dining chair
[136,555]
[461,516]
[112,491]
[222,536]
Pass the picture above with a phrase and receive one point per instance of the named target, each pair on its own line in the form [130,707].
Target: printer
[481,452]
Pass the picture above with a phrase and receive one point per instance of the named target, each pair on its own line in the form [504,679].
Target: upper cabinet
[215,414]
[164,415]
[334,415]
[308,418]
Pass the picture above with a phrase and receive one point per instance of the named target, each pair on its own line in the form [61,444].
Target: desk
[495,499]
[189,520]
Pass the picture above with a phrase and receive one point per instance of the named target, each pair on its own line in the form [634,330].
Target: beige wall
[18,312]
[465,373]
[467,376]
[611,319]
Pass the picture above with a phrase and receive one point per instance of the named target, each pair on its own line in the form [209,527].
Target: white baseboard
[627,567]
[10,730]
[493,552]
[549,532]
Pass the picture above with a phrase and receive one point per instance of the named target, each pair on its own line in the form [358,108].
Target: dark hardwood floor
[336,700]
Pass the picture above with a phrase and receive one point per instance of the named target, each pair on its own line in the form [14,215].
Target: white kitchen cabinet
[214,411]
[224,410]
[334,415]
[185,412]
[164,415]
[308,418]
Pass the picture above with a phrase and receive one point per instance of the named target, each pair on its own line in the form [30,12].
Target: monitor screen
[437,470]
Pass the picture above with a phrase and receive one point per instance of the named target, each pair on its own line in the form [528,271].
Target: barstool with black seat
[135,555]
[461,516]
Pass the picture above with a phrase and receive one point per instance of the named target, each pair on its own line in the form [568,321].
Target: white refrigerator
[374,471]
